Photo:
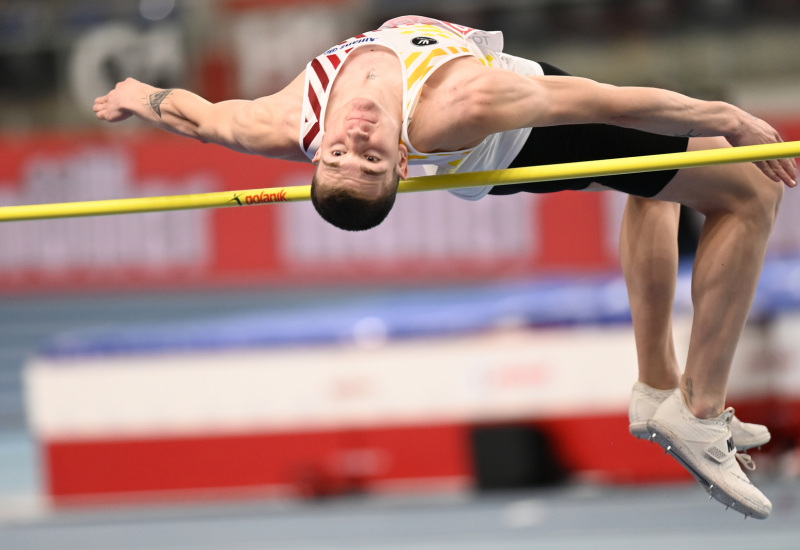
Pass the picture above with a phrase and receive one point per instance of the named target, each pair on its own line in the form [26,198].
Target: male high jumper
[428,92]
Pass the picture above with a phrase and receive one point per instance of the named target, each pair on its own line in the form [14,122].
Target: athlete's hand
[119,103]
[758,132]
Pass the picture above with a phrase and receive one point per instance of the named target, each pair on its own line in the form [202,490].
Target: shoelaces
[743,458]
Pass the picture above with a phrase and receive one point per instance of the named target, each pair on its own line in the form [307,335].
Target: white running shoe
[705,448]
[645,400]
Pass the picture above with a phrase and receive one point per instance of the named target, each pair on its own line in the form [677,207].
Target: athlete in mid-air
[424,92]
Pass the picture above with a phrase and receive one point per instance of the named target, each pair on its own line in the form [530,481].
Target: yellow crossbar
[272,195]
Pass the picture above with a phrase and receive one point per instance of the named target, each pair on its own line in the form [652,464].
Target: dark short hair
[348,210]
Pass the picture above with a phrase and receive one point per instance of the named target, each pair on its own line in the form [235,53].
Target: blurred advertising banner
[430,236]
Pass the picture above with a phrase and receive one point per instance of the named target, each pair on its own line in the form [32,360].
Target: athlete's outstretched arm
[501,100]
[257,126]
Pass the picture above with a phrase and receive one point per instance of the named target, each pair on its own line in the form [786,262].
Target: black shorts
[580,142]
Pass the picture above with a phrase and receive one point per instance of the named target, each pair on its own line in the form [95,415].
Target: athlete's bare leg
[740,204]
[649,254]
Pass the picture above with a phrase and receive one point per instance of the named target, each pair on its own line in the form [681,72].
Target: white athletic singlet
[423,45]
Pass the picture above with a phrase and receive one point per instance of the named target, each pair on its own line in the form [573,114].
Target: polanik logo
[423,41]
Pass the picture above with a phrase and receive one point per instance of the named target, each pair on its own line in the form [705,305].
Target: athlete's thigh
[716,187]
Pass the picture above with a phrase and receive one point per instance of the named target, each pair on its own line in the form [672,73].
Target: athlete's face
[361,148]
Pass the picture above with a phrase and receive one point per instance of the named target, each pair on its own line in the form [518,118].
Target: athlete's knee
[779,190]
[770,194]
[641,210]
[662,209]
[761,198]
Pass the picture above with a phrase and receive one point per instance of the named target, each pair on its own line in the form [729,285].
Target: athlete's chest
[369,65]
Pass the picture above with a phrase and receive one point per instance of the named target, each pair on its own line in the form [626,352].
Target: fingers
[784,170]
[100,107]
[780,170]
[789,167]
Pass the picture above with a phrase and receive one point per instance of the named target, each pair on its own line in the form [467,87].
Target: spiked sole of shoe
[714,491]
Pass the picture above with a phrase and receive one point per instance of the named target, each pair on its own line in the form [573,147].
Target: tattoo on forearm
[690,390]
[690,134]
[157,98]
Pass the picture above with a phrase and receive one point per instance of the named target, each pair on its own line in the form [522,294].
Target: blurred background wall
[56,57]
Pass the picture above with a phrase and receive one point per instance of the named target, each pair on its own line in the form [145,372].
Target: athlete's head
[360,163]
